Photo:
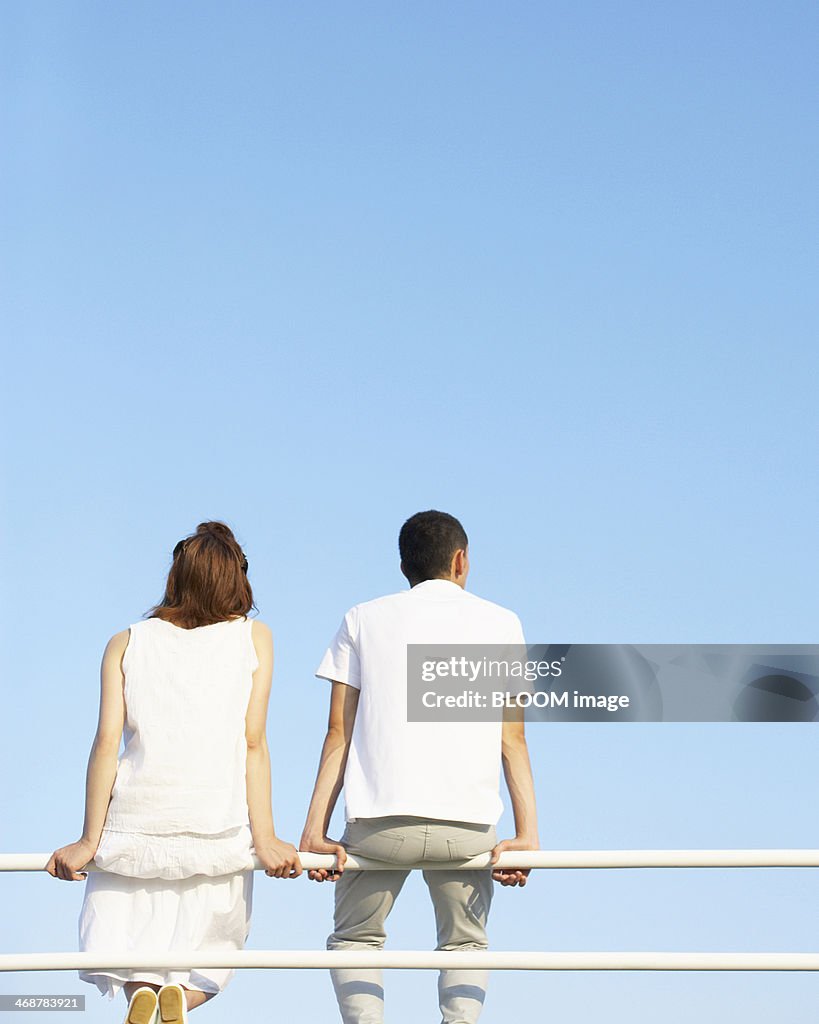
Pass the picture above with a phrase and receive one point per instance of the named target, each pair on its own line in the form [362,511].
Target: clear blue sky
[312,268]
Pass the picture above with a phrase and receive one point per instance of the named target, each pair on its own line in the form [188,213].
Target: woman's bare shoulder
[261,632]
[115,648]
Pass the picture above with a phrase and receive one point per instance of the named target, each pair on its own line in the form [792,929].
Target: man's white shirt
[436,770]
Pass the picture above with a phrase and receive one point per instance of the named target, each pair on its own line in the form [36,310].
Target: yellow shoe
[173,1007]
[142,1007]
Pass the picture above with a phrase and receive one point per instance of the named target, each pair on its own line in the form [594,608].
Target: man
[416,790]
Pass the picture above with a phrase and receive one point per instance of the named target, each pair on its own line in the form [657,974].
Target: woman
[174,823]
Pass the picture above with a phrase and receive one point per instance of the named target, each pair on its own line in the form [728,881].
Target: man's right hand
[321,844]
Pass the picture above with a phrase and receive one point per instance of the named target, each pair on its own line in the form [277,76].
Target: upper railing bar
[531,859]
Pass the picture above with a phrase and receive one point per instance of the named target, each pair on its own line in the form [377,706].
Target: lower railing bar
[412,960]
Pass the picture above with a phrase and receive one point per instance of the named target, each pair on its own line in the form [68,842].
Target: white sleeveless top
[179,802]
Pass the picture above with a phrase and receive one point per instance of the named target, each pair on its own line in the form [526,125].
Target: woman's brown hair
[207,582]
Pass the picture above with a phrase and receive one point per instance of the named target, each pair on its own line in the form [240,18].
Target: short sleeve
[518,650]
[341,661]
[516,631]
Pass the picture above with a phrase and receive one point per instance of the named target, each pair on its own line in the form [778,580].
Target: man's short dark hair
[427,542]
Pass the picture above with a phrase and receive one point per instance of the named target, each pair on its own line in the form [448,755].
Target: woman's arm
[280,859]
[102,765]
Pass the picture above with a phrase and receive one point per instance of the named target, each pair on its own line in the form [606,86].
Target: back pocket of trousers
[378,846]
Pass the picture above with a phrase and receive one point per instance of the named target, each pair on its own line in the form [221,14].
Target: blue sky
[310,269]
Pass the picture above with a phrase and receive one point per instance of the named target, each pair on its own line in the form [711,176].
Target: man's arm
[518,774]
[330,779]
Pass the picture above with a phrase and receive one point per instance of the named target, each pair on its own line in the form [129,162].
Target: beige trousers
[364,899]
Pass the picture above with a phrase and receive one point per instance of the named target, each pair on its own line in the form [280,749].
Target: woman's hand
[66,862]
[321,844]
[279,859]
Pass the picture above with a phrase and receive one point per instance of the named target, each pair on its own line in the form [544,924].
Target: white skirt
[126,914]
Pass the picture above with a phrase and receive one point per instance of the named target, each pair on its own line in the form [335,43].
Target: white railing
[472,959]
[415,960]
[530,859]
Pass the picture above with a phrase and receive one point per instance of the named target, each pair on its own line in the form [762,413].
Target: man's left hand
[512,876]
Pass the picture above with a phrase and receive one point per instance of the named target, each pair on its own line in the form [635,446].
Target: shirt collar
[437,589]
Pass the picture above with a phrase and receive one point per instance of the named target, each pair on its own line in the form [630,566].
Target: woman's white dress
[176,849]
